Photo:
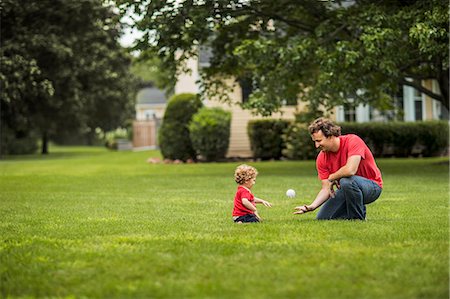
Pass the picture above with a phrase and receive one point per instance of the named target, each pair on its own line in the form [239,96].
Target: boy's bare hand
[266,203]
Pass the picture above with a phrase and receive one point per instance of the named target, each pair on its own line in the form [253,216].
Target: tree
[63,69]
[323,52]
[148,68]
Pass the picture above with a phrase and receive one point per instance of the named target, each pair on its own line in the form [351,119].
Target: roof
[151,95]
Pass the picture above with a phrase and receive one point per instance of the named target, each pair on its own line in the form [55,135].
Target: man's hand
[334,184]
[303,209]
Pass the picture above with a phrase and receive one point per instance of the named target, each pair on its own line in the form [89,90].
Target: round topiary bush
[210,133]
[173,137]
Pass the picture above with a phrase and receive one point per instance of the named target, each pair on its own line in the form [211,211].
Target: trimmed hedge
[210,133]
[266,139]
[174,140]
[392,139]
[298,143]
[402,139]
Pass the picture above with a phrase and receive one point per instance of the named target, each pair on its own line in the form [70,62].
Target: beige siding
[428,101]
[239,141]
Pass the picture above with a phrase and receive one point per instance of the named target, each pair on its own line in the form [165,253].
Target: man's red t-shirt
[239,208]
[350,145]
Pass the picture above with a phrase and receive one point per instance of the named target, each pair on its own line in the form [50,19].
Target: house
[411,105]
[150,106]
[239,142]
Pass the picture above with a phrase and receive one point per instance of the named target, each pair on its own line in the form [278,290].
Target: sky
[130,35]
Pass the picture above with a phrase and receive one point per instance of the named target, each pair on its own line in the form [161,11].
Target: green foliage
[110,138]
[14,142]
[323,52]
[210,133]
[399,139]
[402,139]
[298,143]
[266,139]
[63,70]
[174,139]
[90,223]
[149,68]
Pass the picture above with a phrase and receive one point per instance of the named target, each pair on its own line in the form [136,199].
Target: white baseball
[290,193]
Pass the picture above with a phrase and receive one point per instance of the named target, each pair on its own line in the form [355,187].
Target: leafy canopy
[63,70]
[322,52]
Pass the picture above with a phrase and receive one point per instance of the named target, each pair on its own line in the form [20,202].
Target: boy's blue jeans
[350,199]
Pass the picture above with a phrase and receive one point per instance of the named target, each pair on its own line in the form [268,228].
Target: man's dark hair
[325,125]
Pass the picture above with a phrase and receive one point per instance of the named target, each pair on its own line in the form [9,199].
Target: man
[350,177]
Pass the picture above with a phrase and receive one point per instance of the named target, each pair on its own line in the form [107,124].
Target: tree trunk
[44,143]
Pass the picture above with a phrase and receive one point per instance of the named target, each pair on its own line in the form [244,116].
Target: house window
[204,56]
[413,104]
[246,87]
[418,110]
[349,113]
[418,105]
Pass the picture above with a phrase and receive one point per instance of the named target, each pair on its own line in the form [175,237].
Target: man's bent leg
[350,200]
[358,192]
[334,208]
[353,198]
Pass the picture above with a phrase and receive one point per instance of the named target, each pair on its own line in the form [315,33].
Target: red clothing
[239,208]
[350,145]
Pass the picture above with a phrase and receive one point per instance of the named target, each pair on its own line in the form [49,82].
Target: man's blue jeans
[350,199]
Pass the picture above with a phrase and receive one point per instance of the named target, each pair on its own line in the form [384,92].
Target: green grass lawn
[85,222]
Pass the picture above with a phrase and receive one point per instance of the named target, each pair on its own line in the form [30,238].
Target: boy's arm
[251,207]
[248,205]
[264,202]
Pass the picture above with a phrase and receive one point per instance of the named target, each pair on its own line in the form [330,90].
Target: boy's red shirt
[239,209]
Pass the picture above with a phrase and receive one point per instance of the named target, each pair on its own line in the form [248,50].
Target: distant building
[151,103]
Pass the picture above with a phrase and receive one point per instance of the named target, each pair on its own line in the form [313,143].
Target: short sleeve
[322,169]
[356,147]
[246,194]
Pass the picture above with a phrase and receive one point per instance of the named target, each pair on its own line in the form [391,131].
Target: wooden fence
[145,134]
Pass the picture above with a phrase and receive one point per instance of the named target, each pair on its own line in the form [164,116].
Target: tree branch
[422,89]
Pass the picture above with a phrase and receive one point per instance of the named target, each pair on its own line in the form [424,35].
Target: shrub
[266,139]
[298,143]
[399,139]
[402,139]
[210,133]
[433,136]
[17,143]
[174,140]
[111,137]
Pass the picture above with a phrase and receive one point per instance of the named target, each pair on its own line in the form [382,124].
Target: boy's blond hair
[244,173]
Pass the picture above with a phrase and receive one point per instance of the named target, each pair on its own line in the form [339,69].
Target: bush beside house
[210,133]
[392,139]
[298,143]
[174,138]
[266,139]
[402,139]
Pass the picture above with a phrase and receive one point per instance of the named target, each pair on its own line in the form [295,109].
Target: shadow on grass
[56,153]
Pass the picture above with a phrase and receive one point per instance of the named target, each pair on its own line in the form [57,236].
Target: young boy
[244,201]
